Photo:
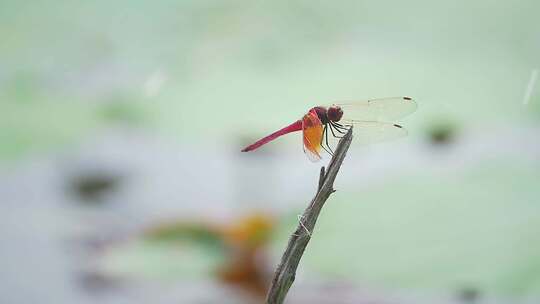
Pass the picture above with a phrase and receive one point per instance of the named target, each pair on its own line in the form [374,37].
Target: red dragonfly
[373,121]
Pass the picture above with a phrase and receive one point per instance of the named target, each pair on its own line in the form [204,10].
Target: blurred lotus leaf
[234,252]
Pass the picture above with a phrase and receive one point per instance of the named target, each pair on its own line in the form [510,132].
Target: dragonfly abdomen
[295,126]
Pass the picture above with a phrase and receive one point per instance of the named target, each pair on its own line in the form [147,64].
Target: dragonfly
[373,121]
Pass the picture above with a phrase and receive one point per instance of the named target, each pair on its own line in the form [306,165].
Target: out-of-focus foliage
[208,61]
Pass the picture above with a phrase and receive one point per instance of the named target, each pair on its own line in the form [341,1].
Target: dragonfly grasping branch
[286,270]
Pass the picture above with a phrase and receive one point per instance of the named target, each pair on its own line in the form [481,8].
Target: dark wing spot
[395,125]
[407,98]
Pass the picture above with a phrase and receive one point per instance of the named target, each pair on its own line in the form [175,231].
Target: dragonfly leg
[325,135]
[341,127]
[328,145]
[334,134]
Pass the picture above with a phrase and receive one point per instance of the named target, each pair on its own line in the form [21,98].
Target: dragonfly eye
[335,113]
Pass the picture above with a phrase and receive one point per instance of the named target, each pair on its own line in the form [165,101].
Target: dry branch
[286,271]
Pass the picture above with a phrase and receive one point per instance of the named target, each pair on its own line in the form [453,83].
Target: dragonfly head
[334,113]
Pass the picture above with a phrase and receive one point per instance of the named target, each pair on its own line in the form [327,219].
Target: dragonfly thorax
[326,115]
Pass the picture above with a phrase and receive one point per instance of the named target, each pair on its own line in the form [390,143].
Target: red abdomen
[295,126]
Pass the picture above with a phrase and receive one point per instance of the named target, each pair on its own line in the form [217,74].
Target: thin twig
[286,270]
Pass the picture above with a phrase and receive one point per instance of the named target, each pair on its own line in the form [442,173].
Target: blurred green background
[122,182]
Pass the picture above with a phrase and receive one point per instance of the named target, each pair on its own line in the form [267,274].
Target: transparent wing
[381,109]
[312,156]
[312,130]
[367,132]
